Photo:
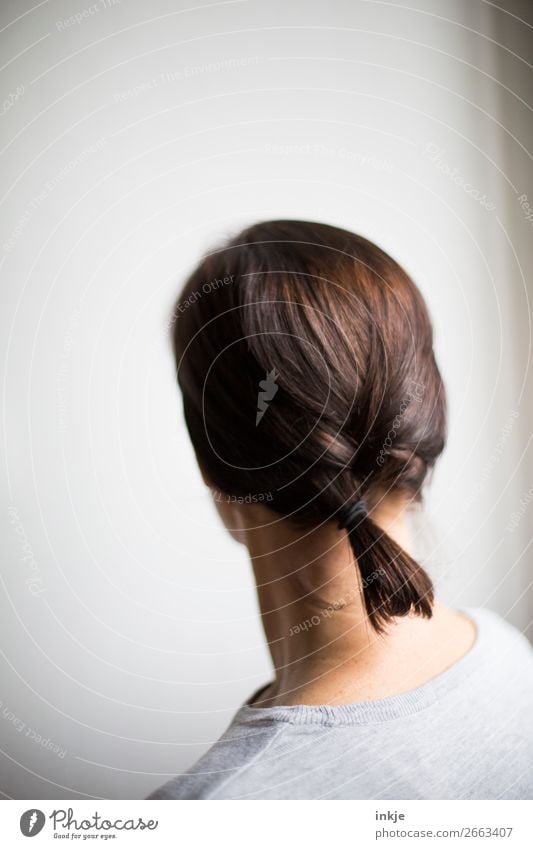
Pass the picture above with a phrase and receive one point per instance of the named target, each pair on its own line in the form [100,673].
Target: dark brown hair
[305,358]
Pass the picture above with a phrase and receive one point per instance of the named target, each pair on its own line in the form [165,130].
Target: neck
[323,647]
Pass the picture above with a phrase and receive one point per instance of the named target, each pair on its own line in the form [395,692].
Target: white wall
[141,135]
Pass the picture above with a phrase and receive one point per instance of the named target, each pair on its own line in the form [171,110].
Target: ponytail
[393,583]
[357,388]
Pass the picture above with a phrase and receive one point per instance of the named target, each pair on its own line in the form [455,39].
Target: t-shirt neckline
[377,710]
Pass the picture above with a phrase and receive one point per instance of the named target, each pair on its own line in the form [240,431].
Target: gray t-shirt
[466,734]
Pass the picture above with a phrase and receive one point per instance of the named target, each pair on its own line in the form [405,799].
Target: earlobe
[230,514]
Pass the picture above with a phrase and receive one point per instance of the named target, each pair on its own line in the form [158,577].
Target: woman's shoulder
[218,771]
[502,654]
[496,633]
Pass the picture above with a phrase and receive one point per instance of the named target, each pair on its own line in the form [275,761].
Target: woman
[316,410]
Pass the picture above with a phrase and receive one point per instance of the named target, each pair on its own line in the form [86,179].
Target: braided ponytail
[341,337]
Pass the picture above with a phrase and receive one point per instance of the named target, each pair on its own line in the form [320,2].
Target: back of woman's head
[304,354]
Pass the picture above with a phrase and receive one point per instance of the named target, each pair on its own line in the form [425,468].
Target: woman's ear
[231,516]
[229,511]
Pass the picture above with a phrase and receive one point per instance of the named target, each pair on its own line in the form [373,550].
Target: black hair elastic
[351,515]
